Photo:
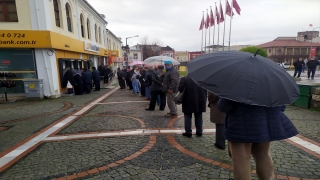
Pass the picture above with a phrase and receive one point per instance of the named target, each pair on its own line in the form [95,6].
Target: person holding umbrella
[252,97]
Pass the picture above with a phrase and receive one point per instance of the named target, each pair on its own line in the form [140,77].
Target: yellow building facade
[45,37]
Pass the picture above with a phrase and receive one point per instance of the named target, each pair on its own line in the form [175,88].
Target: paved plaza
[109,135]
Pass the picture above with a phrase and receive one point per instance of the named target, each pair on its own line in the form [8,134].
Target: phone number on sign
[12,35]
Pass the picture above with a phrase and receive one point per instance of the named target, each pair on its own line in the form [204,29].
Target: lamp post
[127,49]
[311,41]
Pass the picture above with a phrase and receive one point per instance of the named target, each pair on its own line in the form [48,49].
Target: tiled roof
[287,43]
[168,48]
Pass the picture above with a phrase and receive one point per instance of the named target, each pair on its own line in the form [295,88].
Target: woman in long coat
[249,130]
[217,117]
[194,102]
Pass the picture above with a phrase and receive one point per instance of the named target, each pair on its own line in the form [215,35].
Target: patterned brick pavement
[109,135]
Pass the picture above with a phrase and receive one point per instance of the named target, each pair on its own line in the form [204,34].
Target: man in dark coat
[194,102]
[156,90]
[96,79]
[142,79]
[129,74]
[106,73]
[298,67]
[312,66]
[121,78]
[68,76]
[87,80]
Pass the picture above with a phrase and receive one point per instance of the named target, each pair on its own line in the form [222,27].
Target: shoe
[161,109]
[219,147]
[187,134]
[308,78]
[147,98]
[147,109]
[198,134]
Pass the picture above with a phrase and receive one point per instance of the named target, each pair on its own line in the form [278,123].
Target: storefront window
[19,62]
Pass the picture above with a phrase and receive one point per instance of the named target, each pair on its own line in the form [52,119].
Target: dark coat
[157,80]
[298,64]
[216,116]
[107,71]
[68,76]
[95,75]
[148,81]
[87,77]
[121,74]
[254,124]
[78,88]
[194,98]
[312,63]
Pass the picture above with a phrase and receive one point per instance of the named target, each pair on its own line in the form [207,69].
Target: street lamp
[127,49]
[311,41]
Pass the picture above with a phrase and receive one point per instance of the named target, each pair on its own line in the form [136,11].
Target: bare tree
[144,40]
[150,49]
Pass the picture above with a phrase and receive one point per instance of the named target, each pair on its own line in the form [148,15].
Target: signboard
[313,51]
[6,62]
[91,47]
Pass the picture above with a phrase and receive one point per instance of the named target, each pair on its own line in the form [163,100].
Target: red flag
[110,60]
[217,15]
[229,12]
[310,25]
[236,6]
[221,14]
[202,23]
[207,21]
[211,18]
[313,51]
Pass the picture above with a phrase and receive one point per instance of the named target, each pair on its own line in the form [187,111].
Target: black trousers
[129,83]
[153,100]
[188,122]
[106,79]
[297,71]
[311,70]
[87,87]
[97,85]
[122,84]
[220,140]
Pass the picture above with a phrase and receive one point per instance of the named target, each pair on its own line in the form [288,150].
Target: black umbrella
[244,77]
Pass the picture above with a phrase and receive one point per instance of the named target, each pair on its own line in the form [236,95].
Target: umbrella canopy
[245,78]
[156,60]
[136,63]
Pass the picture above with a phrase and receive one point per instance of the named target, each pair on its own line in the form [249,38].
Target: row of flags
[219,17]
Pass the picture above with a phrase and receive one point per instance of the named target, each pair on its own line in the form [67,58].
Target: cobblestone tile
[102,123]
[65,158]
[124,95]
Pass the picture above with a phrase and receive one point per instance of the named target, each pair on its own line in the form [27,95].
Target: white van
[286,65]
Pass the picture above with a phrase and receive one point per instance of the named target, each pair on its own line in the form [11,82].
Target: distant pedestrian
[78,86]
[121,78]
[142,80]
[148,82]
[129,74]
[249,130]
[87,81]
[68,77]
[194,102]
[298,65]
[170,86]
[135,81]
[106,72]
[96,78]
[312,66]
[217,117]
[305,65]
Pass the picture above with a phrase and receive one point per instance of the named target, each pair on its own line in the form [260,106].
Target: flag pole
[218,30]
[209,28]
[205,35]
[214,26]
[230,25]
[202,34]
[224,28]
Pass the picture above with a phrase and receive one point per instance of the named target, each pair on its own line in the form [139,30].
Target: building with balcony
[40,38]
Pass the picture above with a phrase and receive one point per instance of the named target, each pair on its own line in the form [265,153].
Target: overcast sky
[176,22]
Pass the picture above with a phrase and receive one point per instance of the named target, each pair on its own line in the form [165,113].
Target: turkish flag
[211,18]
[236,6]
[202,23]
[207,21]
[217,15]
[221,14]
[313,51]
[229,12]
[110,60]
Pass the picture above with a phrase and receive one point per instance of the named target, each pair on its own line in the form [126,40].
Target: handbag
[179,97]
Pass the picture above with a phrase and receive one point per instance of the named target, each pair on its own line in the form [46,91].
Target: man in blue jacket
[96,79]
[87,81]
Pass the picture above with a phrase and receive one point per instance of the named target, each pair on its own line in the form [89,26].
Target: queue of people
[300,65]
[83,81]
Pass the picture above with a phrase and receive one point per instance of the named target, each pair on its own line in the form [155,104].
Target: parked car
[286,65]
[280,65]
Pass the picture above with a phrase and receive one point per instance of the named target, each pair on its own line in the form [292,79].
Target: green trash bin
[304,98]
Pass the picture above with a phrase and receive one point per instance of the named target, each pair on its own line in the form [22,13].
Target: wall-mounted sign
[91,47]
[6,62]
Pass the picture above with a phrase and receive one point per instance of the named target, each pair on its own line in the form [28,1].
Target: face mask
[168,67]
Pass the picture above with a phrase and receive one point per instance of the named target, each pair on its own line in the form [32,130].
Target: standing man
[121,78]
[194,102]
[170,86]
[96,79]
[87,81]
[312,66]
[128,78]
[298,67]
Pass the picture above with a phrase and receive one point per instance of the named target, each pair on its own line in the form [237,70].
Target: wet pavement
[108,135]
